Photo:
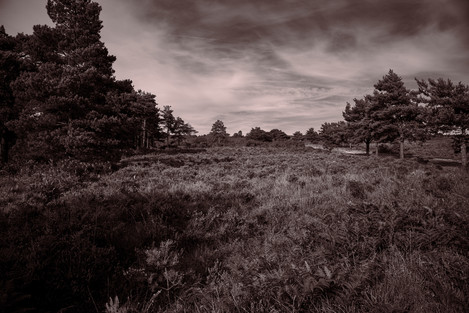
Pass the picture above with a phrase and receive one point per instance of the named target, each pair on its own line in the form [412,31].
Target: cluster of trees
[175,129]
[59,96]
[394,113]
[219,135]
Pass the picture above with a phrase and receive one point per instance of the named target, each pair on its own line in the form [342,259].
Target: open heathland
[236,229]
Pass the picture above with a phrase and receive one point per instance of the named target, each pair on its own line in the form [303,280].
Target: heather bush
[244,229]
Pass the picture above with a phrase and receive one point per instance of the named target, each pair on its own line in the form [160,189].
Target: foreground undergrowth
[237,230]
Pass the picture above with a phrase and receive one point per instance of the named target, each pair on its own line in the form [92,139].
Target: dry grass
[247,229]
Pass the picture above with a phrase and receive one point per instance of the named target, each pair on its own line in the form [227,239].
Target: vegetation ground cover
[236,229]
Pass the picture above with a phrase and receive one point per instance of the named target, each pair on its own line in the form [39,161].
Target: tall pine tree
[10,67]
[448,109]
[396,110]
[70,104]
[359,122]
[218,132]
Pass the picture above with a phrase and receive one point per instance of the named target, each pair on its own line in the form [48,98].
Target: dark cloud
[288,64]
[248,22]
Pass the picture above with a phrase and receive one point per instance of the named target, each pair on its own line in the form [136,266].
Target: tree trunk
[367,143]
[3,150]
[377,148]
[463,153]
[144,134]
[401,149]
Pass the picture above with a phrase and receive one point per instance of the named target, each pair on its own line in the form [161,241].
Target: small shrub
[356,189]
[312,171]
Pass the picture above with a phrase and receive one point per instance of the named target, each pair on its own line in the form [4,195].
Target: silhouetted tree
[182,130]
[143,118]
[312,135]
[168,122]
[278,135]
[298,136]
[239,134]
[67,101]
[257,133]
[218,132]
[10,66]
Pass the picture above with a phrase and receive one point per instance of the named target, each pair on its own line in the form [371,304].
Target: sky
[286,64]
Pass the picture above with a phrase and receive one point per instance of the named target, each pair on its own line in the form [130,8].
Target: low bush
[255,229]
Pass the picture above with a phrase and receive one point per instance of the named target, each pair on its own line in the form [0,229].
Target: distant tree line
[59,96]
[219,136]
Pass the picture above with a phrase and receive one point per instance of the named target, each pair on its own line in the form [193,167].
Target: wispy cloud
[275,63]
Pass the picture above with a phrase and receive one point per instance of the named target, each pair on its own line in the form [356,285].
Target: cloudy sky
[287,64]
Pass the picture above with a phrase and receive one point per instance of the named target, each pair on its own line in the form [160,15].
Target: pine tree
[312,135]
[69,102]
[448,109]
[10,66]
[298,136]
[333,134]
[278,135]
[259,134]
[62,100]
[139,115]
[218,132]
[363,125]
[182,130]
[395,111]
[168,122]
[78,30]
[238,134]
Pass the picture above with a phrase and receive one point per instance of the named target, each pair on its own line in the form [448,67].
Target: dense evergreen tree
[63,98]
[312,135]
[239,134]
[298,136]
[333,134]
[448,109]
[10,67]
[182,130]
[78,30]
[259,134]
[360,122]
[218,132]
[395,109]
[140,115]
[278,135]
[174,126]
[169,122]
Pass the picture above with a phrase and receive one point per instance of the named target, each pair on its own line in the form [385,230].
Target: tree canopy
[333,134]
[278,135]
[448,105]
[312,135]
[259,134]
[218,132]
[59,94]
[360,122]
[391,112]
[396,110]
